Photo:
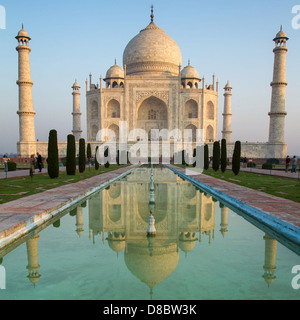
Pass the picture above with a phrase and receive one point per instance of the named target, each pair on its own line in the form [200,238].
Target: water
[202,250]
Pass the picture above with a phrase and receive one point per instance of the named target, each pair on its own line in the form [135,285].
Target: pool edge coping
[284,229]
[26,227]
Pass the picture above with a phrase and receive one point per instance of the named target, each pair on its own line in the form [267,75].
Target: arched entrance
[152,114]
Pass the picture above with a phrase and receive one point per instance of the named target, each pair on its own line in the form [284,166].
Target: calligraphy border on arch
[164,95]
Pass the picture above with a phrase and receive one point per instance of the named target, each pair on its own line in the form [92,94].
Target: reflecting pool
[100,249]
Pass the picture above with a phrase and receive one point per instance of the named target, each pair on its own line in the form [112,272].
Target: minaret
[278,113]
[226,133]
[76,112]
[26,144]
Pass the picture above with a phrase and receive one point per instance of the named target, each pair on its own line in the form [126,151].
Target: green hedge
[11,166]
[267,165]
[251,164]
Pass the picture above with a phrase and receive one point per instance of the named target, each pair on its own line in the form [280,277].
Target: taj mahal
[152,90]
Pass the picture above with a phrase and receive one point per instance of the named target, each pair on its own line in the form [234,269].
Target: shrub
[82,159]
[71,156]
[267,166]
[251,164]
[53,162]
[216,156]
[11,166]
[206,157]
[273,161]
[223,155]
[236,159]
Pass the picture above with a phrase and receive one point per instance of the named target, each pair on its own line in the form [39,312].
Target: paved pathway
[278,173]
[17,215]
[24,173]
[280,208]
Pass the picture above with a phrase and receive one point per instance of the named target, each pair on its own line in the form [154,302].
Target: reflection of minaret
[270,259]
[224,220]
[79,221]
[32,256]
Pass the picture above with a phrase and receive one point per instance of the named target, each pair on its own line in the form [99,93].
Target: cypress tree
[183,158]
[107,155]
[118,157]
[194,156]
[236,159]
[53,161]
[206,157]
[223,155]
[216,156]
[96,160]
[82,158]
[71,156]
[89,153]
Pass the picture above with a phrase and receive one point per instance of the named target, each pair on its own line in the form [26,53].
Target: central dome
[152,51]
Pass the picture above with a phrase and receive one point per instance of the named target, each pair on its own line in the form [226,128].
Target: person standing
[32,163]
[294,164]
[287,163]
[39,161]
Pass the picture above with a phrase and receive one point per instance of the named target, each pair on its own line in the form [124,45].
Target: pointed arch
[191,109]
[113,109]
[210,111]
[210,133]
[94,110]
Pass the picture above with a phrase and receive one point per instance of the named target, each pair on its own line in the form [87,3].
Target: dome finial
[115,61]
[22,26]
[281,28]
[189,62]
[152,15]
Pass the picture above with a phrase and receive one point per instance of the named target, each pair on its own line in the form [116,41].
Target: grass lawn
[16,188]
[276,186]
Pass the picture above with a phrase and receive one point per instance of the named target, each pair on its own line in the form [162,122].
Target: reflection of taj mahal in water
[183,214]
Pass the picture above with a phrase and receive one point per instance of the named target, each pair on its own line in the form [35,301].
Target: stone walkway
[19,214]
[280,208]
[277,173]
[24,173]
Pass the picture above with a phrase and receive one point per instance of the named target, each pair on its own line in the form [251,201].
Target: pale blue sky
[70,39]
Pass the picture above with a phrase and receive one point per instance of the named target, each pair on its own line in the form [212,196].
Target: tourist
[287,163]
[32,162]
[294,164]
[39,162]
